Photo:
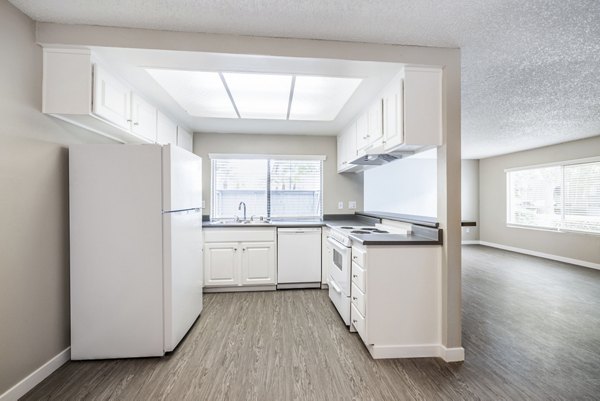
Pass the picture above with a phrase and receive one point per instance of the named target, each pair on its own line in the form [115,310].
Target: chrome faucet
[240,207]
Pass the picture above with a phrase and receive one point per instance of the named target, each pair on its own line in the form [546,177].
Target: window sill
[552,230]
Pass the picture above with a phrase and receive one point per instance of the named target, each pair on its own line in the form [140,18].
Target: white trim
[551,164]
[36,377]
[264,156]
[417,351]
[470,242]
[558,258]
[456,354]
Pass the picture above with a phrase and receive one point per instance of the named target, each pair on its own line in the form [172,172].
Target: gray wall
[493,203]
[34,261]
[406,186]
[336,187]
[470,198]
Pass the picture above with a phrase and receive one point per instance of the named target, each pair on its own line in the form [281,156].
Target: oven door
[340,266]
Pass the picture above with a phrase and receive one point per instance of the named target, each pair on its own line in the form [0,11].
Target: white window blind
[565,196]
[275,188]
[236,181]
[295,188]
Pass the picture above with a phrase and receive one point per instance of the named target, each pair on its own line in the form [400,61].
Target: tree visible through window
[565,196]
[272,188]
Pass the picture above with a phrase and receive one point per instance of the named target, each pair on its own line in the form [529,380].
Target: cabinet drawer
[358,257]
[359,323]
[235,234]
[358,300]
[359,277]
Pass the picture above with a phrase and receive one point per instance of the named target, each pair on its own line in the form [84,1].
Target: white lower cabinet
[395,296]
[221,264]
[239,257]
[258,263]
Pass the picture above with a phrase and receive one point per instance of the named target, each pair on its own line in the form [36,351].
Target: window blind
[275,188]
[562,197]
[236,181]
[582,197]
[295,188]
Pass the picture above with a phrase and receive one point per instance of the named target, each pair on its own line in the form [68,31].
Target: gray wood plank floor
[531,329]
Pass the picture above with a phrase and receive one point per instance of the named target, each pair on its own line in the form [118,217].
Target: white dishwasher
[299,257]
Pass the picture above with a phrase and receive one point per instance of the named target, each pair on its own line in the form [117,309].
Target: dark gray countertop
[420,235]
[408,218]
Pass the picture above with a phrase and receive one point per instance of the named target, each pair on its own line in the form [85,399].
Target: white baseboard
[456,354]
[563,259]
[470,242]
[36,377]
[417,351]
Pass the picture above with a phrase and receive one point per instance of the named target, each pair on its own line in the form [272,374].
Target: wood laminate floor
[531,330]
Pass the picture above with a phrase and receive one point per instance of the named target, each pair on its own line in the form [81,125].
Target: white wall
[492,179]
[336,187]
[34,209]
[406,186]
[470,198]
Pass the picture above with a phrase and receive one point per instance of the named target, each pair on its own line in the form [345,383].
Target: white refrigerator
[135,249]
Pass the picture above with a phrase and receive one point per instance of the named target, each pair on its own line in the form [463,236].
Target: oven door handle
[335,286]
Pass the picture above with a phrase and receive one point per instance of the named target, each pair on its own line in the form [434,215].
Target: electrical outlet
[340,205]
[351,204]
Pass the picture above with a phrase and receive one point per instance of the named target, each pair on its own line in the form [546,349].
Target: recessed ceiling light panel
[321,98]
[200,93]
[262,96]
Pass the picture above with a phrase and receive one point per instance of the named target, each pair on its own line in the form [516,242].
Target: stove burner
[369,229]
[380,231]
[361,232]
[347,228]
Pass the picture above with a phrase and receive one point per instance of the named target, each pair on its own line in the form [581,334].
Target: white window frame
[237,156]
[594,159]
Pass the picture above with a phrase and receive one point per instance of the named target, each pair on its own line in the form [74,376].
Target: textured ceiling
[530,69]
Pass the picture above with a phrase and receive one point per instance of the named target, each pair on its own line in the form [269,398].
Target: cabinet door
[166,130]
[221,264]
[341,155]
[143,115]
[375,122]
[185,139]
[258,263]
[350,144]
[111,99]
[393,116]
[362,131]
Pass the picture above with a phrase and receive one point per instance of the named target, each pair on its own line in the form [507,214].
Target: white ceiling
[530,68]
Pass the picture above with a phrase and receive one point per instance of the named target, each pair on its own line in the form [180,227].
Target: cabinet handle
[354,298]
[129,120]
[354,257]
[355,275]
[235,249]
[244,249]
[354,321]
[136,123]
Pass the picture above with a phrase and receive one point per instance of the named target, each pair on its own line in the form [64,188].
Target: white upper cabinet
[166,130]
[413,110]
[346,143]
[78,89]
[112,99]
[405,118]
[143,118]
[185,139]
[393,112]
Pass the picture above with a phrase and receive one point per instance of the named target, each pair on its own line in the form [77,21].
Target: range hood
[376,156]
